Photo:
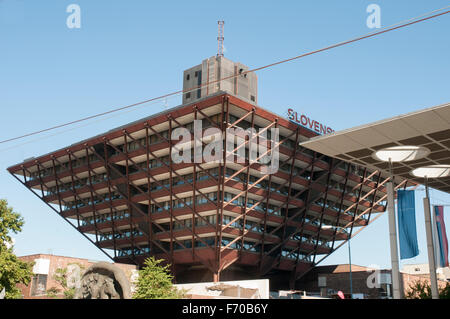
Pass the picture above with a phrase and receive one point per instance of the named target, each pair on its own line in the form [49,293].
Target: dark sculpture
[103,281]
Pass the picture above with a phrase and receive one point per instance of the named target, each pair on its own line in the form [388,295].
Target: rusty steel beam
[301,210]
[291,174]
[363,198]
[250,187]
[171,188]
[131,203]
[260,264]
[359,230]
[88,185]
[174,218]
[59,214]
[194,194]
[177,241]
[187,183]
[221,188]
[375,196]
[74,192]
[307,203]
[300,228]
[56,181]
[128,195]
[340,205]
[357,201]
[267,196]
[149,214]
[91,189]
[111,210]
[316,245]
[93,206]
[138,209]
[247,177]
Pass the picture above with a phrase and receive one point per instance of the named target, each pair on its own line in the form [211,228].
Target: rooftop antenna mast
[220,38]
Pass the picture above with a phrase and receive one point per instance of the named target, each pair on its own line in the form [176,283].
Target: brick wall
[61,262]
[337,278]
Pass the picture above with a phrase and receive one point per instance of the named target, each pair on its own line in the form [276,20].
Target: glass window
[39,285]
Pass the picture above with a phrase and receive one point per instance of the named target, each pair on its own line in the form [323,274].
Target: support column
[397,293]
[216,277]
[430,248]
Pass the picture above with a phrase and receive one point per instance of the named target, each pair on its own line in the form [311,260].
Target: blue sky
[129,51]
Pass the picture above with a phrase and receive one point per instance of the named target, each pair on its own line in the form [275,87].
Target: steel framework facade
[122,191]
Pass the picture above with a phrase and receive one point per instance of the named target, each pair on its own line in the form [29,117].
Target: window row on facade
[210,241]
[140,143]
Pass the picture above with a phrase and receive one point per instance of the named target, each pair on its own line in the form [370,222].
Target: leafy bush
[155,282]
[422,290]
[12,270]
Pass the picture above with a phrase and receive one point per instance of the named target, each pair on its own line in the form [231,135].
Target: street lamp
[432,171]
[349,255]
[390,155]
[401,153]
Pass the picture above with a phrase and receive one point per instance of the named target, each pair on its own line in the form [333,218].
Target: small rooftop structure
[218,73]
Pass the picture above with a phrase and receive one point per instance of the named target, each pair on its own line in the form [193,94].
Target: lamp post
[349,255]
[390,155]
[432,171]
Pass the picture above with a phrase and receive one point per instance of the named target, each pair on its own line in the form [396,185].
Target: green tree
[155,282]
[12,270]
[61,276]
[53,292]
[422,290]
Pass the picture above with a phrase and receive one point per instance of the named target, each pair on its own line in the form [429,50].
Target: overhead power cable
[395,26]
[70,129]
